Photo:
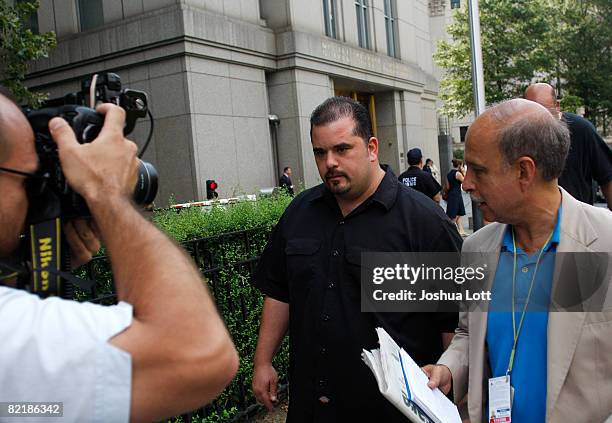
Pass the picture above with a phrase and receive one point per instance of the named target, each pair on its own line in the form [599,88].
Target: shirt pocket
[352,275]
[301,260]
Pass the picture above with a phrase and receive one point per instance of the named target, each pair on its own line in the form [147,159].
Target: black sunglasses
[35,184]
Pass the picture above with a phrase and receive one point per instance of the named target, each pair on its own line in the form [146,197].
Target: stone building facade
[232,83]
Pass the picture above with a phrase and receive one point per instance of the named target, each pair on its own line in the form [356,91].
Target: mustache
[476,199]
[334,174]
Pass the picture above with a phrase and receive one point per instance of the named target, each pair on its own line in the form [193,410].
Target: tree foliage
[18,46]
[566,42]
[587,54]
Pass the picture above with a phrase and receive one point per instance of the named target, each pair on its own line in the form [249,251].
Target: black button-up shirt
[313,261]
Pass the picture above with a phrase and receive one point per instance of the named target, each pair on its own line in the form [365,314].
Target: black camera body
[52,202]
[86,124]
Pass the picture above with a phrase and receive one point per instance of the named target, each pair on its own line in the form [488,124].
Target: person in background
[419,180]
[454,202]
[285,180]
[589,157]
[431,167]
[427,166]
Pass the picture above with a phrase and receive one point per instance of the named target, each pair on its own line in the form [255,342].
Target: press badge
[500,400]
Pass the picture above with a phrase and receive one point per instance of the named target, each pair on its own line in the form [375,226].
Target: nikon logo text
[46,256]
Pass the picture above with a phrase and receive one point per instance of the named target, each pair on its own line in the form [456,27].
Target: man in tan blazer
[515,152]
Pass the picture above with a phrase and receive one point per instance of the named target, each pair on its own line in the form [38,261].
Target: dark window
[390,28]
[329,12]
[363,30]
[32,21]
[91,14]
[462,132]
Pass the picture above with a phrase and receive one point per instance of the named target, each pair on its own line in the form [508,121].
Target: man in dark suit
[285,180]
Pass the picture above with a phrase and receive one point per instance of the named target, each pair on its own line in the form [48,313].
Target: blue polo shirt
[528,377]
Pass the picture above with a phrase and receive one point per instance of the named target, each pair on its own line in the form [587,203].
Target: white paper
[416,401]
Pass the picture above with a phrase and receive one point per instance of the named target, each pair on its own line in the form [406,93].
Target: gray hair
[537,135]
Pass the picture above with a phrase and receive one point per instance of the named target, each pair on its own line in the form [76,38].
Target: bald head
[545,95]
[17,152]
[516,110]
[523,128]
[16,136]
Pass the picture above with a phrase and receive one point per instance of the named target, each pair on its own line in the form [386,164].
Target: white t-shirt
[55,350]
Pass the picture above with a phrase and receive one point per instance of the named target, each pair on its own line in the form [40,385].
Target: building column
[389,125]
[293,95]
[430,129]
[412,121]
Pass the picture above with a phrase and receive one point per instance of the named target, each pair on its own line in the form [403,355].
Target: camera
[86,124]
[45,258]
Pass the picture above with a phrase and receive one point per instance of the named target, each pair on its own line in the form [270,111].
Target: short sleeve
[58,351]
[601,158]
[270,276]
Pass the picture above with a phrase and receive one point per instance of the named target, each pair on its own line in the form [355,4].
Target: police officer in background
[414,177]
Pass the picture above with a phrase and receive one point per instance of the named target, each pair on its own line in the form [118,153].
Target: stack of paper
[404,384]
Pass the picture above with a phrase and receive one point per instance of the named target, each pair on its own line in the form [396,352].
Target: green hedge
[218,233]
[231,285]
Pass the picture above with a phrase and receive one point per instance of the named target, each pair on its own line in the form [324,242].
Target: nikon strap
[46,253]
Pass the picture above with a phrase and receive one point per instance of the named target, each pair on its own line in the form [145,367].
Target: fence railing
[228,262]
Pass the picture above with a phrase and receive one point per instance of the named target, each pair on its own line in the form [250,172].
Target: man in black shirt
[418,179]
[310,273]
[589,157]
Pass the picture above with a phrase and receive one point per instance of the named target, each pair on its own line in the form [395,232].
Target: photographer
[161,351]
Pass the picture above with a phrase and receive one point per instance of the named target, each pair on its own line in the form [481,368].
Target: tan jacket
[579,372]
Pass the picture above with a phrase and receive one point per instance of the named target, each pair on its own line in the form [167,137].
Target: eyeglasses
[35,184]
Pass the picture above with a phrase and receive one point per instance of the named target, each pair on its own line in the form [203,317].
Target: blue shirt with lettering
[528,376]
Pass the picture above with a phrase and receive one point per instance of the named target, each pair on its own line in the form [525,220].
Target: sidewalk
[278,415]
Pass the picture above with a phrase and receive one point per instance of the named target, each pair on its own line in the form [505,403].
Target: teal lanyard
[516,332]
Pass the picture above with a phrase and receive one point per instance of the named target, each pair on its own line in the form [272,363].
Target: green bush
[237,300]
[215,238]
[197,222]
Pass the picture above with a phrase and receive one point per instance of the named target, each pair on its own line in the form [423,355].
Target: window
[463,132]
[329,13]
[91,14]
[31,22]
[390,28]
[363,31]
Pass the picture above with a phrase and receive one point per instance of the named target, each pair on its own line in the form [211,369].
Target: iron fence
[227,261]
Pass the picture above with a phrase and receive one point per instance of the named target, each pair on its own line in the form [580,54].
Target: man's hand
[265,385]
[104,168]
[439,377]
[84,240]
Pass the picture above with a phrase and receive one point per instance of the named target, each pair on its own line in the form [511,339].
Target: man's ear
[527,171]
[373,148]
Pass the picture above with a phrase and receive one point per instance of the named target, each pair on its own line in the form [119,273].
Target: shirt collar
[554,240]
[385,193]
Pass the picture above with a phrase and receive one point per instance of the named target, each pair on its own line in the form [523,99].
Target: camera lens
[146,185]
